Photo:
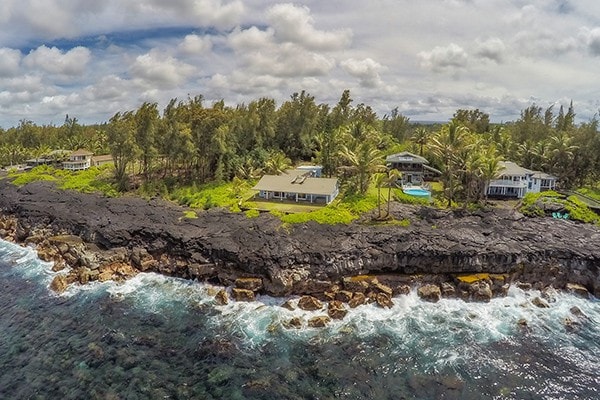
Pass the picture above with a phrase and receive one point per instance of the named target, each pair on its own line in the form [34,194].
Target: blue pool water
[417,192]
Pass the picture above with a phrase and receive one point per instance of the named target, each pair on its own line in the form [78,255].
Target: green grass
[577,209]
[92,180]
[211,195]
[591,192]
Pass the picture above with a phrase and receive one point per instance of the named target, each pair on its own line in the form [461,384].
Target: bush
[252,213]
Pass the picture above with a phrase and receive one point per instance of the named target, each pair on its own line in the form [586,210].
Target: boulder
[336,310]
[309,303]
[288,305]
[539,302]
[59,283]
[242,294]
[401,290]
[344,296]
[358,299]
[481,291]
[384,300]
[221,297]
[319,321]
[578,290]
[448,289]
[358,283]
[430,292]
[295,322]
[381,288]
[253,284]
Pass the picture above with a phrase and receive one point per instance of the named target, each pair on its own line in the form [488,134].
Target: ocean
[157,337]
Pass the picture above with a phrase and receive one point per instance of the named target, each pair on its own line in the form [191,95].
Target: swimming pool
[417,191]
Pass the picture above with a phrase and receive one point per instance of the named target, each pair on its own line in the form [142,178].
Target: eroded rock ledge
[474,256]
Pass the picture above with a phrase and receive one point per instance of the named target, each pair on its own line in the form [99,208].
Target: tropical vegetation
[190,150]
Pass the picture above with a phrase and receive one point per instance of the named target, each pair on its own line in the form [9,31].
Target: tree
[360,156]
[379,178]
[420,137]
[393,175]
[446,145]
[277,163]
[146,119]
[123,147]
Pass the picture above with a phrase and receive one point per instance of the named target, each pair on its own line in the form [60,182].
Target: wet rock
[381,288]
[221,297]
[524,285]
[242,294]
[401,290]
[448,289]
[384,300]
[576,311]
[288,305]
[571,325]
[539,302]
[59,265]
[522,322]
[319,321]
[295,322]
[356,283]
[578,290]
[253,284]
[358,299]
[59,283]
[344,296]
[336,310]
[481,291]
[309,303]
[430,293]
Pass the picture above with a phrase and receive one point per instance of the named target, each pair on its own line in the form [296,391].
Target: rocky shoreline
[473,256]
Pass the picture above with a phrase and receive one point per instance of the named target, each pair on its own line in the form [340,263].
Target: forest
[190,142]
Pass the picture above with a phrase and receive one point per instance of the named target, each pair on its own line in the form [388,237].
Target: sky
[90,59]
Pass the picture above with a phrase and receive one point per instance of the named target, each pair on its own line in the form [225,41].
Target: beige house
[298,186]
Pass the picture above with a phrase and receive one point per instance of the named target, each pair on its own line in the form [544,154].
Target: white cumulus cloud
[55,61]
[366,70]
[444,58]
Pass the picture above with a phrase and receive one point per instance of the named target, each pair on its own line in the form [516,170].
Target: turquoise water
[156,337]
[417,192]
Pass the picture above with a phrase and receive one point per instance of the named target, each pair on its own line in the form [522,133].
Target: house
[516,181]
[297,185]
[414,168]
[101,160]
[78,160]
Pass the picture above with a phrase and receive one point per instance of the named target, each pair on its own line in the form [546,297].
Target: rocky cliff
[221,246]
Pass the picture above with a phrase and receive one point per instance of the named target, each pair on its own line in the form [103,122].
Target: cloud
[261,54]
[366,70]
[441,59]
[195,44]
[295,24]
[55,61]
[591,39]
[156,69]
[492,49]
[10,59]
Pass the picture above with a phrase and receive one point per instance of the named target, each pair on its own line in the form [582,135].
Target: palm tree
[361,162]
[392,177]
[562,152]
[490,166]
[420,137]
[446,145]
[379,179]
[277,163]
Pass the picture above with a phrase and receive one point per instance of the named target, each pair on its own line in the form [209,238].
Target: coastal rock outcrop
[222,247]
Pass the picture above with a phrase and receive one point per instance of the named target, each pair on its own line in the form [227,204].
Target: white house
[515,181]
[297,185]
[78,160]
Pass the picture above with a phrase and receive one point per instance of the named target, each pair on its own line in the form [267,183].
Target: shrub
[252,213]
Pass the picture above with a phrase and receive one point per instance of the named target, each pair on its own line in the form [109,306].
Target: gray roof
[406,157]
[295,181]
[512,168]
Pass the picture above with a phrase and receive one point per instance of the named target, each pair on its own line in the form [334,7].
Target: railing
[508,183]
